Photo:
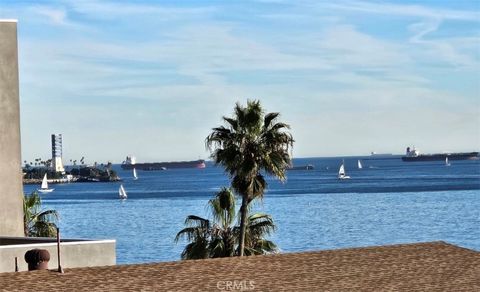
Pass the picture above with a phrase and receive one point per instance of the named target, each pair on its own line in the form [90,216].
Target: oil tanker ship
[413,155]
[130,163]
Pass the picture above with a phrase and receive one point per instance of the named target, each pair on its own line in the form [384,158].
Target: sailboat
[341,172]
[359,164]
[44,187]
[122,194]
[135,177]
[446,162]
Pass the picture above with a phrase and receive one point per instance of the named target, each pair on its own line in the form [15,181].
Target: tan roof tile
[435,266]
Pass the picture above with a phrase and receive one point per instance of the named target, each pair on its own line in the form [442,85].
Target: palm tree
[250,144]
[38,223]
[220,238]
[207,239]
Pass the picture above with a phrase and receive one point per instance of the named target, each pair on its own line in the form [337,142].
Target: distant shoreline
[35,181]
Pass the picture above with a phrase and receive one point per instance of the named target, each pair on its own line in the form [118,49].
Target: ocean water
[386,202]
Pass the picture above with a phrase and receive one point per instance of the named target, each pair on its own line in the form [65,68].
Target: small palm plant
[38,222]
[220,238]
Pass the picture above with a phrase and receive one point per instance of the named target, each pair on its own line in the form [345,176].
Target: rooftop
[434,266]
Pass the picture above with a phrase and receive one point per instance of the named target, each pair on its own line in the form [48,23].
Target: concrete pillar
[11,188]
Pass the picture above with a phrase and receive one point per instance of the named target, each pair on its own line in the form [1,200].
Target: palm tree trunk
[243,219]
[25,228]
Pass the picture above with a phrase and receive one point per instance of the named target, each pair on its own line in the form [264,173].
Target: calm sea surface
[386,202]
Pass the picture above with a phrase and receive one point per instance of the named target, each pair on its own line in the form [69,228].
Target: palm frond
[190,233]
[223,207]
[269,118]
[38,223]
[264,246]
[193,220]
[259,216]
[249,251]
[43,229]
[278,126]
[232,122]
[261,229]
[48,215]
[216,248]
[258,186]
[195,250]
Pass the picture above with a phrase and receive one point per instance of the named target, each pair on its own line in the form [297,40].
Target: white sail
[44,182]
[341,172]
[44,187]
[446,161]
[122,193]
[135,174]
[360,164]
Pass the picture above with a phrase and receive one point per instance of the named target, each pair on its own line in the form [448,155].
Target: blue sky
[151,78]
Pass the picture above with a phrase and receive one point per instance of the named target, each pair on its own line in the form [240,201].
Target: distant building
[57,153]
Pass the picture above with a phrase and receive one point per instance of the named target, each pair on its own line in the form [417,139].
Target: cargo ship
[380,155]
[130,163]
[413,155]
[302,167]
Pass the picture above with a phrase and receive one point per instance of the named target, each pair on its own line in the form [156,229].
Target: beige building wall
[74,253]
[11,188]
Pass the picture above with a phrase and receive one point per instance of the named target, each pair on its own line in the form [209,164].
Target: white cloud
[407,10]
[446,50]
[431,49]
[349,47]
[56,16]
[421,29]
[111,10]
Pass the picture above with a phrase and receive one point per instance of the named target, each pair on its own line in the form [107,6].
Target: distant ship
[301,167]
[413,155]
[381,155]
[130,163]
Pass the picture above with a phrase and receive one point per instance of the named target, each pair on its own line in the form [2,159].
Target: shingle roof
[435,266]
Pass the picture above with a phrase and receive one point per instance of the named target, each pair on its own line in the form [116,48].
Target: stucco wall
[11,188]
[73,253]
